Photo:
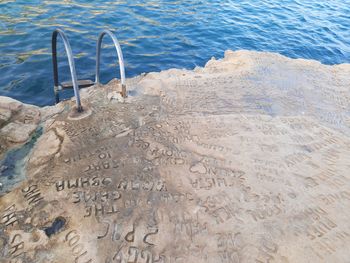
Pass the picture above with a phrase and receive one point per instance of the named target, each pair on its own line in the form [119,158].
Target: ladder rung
[83,83]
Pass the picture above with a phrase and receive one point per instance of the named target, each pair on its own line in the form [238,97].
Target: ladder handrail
[120,58]
[71,66]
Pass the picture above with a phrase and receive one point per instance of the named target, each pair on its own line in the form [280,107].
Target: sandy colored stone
[5,115]
[115,95]
[10,104]
[18,122]
[29,115]
[47,146]
[244,160]
[17,132]
[49,111]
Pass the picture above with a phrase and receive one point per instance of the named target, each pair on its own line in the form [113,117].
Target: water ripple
[157,35]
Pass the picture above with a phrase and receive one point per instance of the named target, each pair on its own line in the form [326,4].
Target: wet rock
[3,168]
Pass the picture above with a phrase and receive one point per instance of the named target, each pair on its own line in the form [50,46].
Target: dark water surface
[157,35]
[12,166]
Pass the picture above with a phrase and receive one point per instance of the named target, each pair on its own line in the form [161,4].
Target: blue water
[157,35]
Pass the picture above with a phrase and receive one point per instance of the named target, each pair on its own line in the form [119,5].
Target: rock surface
[17,123]
[17,132]
[244,160]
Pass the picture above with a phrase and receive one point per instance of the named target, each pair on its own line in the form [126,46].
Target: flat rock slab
[244,160]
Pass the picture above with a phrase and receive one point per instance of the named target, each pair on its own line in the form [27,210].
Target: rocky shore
[244,160]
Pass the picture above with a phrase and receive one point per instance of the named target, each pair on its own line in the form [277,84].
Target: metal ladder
[75,83]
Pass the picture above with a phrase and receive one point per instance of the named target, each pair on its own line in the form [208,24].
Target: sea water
[157,35]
